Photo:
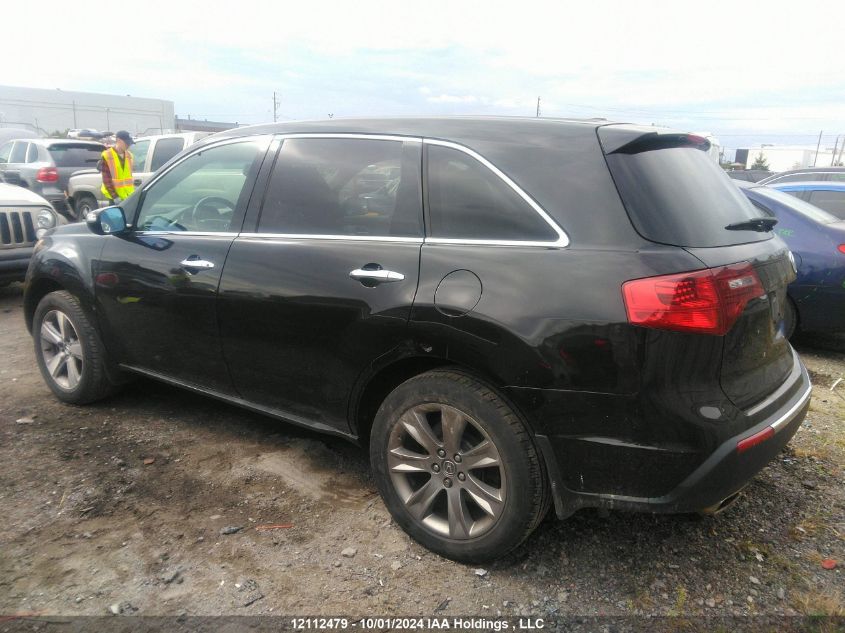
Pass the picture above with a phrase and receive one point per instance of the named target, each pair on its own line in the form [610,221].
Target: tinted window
[165,149]
[831,201]
[797,205]
[468,201]
[679,196]
[32,153]
[19,152]
[344,187]
[5,152]
[796,177]
[139,153]
[76,154]
[202,192]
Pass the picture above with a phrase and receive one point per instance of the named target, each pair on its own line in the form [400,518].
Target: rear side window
[75,155]
[32,153]
[350,187]
[19,152]
[5,152]
[831,201]
[797,178]
[165,149]
[468,201]
[796,204]
[678,195]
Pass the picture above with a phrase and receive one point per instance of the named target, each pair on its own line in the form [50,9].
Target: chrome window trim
[351,238]
[563,238]
[362,136]
[191,233]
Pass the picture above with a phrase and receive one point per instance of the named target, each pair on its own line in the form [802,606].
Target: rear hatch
[69,158]
[676,194]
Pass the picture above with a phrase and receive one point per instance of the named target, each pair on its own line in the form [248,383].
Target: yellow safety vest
[121,174]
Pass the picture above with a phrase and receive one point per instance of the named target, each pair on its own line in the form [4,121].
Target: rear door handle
[380,275]
[196,263]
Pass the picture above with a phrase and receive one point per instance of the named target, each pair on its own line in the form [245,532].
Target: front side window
[468,201]
[139,153]
[19,152]
[344,187]
[165,149]
[202,192]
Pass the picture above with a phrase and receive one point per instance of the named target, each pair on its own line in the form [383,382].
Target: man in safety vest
[116,167]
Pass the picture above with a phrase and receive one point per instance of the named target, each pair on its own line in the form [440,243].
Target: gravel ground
[154,502]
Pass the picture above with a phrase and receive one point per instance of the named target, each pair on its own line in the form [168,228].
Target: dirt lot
[90,524]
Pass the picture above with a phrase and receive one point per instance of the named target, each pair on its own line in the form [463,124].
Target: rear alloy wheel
[68,350]
[447,452]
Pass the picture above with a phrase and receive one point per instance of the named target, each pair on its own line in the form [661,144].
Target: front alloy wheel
[61,350]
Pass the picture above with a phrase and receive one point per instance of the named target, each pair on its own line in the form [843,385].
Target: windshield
[796,204]
[680,196]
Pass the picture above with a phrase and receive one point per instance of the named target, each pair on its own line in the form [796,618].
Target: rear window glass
[804,208]
[75,154]
[680,196]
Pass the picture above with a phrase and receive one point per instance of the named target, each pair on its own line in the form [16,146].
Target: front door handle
[196,263]
[380,275]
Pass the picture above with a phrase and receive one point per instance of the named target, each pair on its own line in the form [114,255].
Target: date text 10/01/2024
[411,624]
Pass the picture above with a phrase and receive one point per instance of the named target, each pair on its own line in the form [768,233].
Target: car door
[323,283]
[156,285]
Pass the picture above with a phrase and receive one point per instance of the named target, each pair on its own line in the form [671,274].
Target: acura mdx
[509,313]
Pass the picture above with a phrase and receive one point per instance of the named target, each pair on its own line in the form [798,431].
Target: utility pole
[818,145]
[73,103]
[275,108]
[538,107]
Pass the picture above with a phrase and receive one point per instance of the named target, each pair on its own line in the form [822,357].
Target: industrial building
[782,158]
[49,111]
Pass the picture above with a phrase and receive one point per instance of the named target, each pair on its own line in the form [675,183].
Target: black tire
[519,471]
[90,383]
[84,204]
[790,319]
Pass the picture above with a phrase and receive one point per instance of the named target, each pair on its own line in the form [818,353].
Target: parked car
[509,313]
[817,241]
[829,196]
[24,217]
[44,165]
[748,175]
[151,152]
[836,174]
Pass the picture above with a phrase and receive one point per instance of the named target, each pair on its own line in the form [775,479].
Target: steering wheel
[205,200]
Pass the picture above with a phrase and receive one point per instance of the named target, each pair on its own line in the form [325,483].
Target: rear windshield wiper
[756,224]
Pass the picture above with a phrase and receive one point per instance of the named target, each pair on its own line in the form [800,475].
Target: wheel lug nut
[458,458]
[435,468]
[461,476]
[441,452]
[447,482]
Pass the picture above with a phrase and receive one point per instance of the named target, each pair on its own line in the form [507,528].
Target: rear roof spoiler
[633,139]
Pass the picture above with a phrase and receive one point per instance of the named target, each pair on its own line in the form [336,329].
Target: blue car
[829,196]
[816,299]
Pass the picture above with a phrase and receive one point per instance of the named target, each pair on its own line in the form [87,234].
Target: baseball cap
[124,136]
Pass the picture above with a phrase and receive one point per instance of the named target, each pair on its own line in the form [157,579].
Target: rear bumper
[13,263]
[721,475]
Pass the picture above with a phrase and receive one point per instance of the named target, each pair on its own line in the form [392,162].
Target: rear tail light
[842,248]
[705,301]
[47,174]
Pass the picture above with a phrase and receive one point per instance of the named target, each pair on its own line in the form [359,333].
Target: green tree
[760,162]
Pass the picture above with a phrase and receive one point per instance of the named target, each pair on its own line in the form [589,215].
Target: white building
[50,110]
[781,158]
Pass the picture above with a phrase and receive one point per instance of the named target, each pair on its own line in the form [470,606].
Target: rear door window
[468,201]
[19,152]
[676,194]
[344,187]
[164,150]
[831,201]
[5,152]
[80,155]
[32,153]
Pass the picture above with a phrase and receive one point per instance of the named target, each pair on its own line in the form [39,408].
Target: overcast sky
[750,72]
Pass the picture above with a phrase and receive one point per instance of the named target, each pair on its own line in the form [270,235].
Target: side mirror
[108,221]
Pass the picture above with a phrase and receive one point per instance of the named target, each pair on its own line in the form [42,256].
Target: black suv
[510,313]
